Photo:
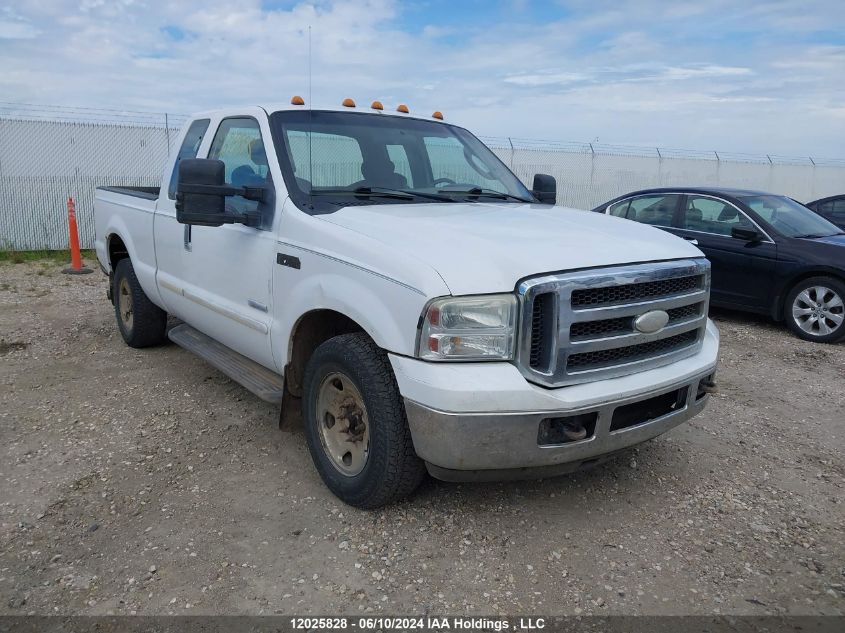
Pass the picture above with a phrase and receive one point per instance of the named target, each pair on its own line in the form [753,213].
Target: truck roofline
[269,108]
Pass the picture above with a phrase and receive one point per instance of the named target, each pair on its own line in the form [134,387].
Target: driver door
[227,269]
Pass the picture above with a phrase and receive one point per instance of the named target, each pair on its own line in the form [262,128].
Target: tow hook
[708,385]
[574,431]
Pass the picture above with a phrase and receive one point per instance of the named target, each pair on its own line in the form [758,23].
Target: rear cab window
[189,148]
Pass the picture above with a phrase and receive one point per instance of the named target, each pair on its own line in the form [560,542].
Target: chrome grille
[591,297]
[578,327]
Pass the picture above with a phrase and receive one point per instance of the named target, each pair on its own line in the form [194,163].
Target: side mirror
[545,188]
[201,193]
[747,235]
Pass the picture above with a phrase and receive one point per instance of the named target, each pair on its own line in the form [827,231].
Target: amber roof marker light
[437,115]
[297,100]
[403,108]
[376,105]
[348,103]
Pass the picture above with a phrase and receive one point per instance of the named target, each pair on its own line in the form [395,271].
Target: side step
[264,383]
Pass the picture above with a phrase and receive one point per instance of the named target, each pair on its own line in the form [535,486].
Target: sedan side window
[620,209]
[708,215]
[839,210]
[657,210]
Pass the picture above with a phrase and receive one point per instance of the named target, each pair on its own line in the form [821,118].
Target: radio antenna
[309,66]
[310,125]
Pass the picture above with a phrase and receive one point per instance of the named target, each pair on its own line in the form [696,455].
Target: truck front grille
[592,297]
[617,355]
[581,326]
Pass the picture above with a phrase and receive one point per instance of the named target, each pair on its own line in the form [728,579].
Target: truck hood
[481,248]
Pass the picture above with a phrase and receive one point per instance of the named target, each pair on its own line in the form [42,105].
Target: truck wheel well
[313,329]
[117,250]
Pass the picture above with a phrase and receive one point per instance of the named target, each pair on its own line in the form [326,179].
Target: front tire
[141,322]
[355,423]
[815,310]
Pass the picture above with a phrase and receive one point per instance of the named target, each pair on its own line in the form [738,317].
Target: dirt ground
[147,482]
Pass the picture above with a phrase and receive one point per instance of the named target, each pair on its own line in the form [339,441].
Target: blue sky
[763,77]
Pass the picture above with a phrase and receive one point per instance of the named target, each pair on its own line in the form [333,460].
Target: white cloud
[709,73]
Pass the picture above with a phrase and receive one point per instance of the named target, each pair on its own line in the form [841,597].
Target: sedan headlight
[469,328]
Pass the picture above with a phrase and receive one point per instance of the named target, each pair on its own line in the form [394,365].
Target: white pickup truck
[393,277]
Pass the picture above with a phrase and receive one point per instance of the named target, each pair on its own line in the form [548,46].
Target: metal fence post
[512,152]
[167,133]
[812,179]
[659,166]
[718,166]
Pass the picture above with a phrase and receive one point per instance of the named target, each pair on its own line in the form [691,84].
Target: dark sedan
[768,253]
[831,208]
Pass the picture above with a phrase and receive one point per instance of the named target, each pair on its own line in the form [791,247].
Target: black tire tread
[399,470]
[818,280]
[150,321]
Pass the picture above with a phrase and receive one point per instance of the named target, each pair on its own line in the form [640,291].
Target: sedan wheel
[816,310]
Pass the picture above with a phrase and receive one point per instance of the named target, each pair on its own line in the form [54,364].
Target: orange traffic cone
[76,267]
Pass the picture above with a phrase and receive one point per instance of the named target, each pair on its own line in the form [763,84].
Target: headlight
[469,328]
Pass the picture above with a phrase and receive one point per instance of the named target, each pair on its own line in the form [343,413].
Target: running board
[265,384]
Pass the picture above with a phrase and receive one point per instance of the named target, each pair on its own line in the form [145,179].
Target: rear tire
[815,310]
[141,322]
[355,423]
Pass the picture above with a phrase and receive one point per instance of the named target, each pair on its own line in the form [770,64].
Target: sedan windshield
[789,217]
[336,159]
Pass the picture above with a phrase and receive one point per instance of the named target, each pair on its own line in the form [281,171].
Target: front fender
[385,310]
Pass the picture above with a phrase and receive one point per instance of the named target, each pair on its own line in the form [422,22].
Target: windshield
[336,159]
[789,217]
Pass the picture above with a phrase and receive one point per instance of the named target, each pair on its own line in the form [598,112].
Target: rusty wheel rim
[124,304]
[343,424]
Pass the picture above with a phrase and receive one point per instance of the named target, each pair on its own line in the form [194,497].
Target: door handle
[692,240]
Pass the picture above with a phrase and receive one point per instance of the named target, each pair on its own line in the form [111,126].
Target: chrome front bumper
[494,446]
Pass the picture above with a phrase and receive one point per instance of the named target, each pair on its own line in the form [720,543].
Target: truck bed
[150,193]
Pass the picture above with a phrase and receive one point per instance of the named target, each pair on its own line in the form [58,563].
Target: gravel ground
[146,482]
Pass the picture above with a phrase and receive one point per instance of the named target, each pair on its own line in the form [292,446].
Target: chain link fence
[48,153]
[590,174]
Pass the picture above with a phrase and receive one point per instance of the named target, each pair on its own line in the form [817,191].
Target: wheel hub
[343,424]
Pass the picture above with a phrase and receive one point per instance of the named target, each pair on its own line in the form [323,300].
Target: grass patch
[56,257]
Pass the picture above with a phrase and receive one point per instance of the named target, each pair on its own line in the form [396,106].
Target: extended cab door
[220,276]
[742,271]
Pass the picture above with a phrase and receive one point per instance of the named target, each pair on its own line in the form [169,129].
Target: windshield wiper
[482,191]
[384,192]
[813,236]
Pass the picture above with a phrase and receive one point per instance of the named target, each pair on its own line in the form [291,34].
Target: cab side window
[708,215]
[190,147]
[657,209]
[239,145]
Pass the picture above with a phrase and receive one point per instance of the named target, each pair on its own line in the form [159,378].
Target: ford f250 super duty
[393,278]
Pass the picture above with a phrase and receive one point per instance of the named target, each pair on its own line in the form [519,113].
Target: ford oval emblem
[651,322]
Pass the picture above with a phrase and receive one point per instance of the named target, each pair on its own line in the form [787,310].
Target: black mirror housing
[199,197]
[747,235]
[545,188]
[201,192]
